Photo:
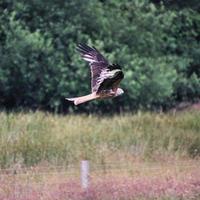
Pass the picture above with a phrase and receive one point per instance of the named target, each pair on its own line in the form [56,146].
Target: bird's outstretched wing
[98,64]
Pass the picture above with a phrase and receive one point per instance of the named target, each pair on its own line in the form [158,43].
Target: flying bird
[105,77]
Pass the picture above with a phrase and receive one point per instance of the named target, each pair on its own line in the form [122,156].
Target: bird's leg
[107,93]
[111,91]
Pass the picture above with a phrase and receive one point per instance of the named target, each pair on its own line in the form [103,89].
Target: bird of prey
[105,77]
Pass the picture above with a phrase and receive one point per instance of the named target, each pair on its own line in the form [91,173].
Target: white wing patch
[111,73]
[105,74]
[89,58]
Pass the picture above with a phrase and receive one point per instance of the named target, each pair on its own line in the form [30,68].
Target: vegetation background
[156,42]
[28,139]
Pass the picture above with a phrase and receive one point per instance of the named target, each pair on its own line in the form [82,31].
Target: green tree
[157,44]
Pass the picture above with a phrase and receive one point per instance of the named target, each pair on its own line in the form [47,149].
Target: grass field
[143,156]
[31,138]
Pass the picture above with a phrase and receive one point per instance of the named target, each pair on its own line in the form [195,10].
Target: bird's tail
[83,99]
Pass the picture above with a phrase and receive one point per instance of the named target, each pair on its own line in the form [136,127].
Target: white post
[84,174]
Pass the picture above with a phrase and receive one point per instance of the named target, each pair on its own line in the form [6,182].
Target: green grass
[34,137]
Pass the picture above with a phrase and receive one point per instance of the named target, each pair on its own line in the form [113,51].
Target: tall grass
[34,137]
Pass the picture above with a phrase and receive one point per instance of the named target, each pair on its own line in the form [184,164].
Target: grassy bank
[32,138]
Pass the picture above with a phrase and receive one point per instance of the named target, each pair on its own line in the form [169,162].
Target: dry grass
[142,181]
[144,156]
[32,138]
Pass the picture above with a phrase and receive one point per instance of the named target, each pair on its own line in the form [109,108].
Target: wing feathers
[97,63]
[105,78]
[103,75]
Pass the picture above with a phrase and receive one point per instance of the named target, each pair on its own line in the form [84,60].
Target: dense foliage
[157,43]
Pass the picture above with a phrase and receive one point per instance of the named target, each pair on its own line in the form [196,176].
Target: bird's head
[119,92]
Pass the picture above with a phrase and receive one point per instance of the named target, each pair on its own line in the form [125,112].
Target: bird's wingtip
[80,45]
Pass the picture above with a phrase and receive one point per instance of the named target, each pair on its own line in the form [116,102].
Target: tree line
[156,42]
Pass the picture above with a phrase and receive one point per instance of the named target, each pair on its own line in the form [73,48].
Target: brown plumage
[105,77]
